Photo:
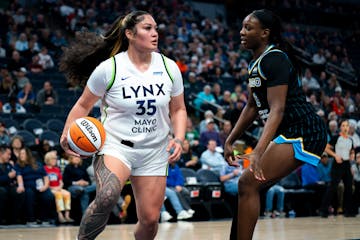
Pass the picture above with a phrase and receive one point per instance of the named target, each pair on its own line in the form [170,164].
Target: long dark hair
[89,49]
[270,20]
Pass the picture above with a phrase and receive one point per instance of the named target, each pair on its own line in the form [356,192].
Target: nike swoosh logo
[124,78]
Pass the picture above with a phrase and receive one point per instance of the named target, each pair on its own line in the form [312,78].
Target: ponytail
[90,49]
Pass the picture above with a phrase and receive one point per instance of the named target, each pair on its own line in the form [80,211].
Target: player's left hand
[175,149]
[254,167]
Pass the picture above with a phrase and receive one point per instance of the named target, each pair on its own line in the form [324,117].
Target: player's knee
[150,221]
[246,185]
[109,193]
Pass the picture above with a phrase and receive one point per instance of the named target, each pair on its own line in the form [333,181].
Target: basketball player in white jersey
[142,103]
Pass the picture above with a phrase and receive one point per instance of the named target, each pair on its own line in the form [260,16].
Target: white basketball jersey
[136,107]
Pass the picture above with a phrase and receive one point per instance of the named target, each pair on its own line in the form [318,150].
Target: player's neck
[260,50]
[139,58]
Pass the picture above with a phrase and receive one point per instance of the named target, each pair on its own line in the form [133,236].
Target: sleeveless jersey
[135,106]
[273,68]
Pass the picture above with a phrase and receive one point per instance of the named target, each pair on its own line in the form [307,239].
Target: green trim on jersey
[113,75]
[105,112]
[167,169]
[167,68]
[110,84]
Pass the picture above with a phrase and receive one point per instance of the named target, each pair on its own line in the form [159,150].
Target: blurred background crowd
[203,38]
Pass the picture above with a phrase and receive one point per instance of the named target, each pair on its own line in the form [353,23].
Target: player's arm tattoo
[108,189]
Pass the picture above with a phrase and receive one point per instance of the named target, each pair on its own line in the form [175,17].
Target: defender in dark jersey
[293,133]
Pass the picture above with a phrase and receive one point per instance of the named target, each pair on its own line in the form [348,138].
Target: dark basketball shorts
[308,137]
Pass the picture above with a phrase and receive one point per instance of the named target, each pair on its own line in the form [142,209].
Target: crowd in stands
[214,68]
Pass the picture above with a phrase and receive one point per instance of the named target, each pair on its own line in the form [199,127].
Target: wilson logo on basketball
[89,128]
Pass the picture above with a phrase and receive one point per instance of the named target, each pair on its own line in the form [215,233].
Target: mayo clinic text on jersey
[144,126]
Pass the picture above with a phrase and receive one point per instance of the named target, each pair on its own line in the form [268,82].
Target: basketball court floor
[311,228]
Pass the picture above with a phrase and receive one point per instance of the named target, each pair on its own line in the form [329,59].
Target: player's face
[146,37]
[251,32]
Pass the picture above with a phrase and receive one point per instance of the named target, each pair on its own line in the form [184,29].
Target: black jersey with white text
[274,68]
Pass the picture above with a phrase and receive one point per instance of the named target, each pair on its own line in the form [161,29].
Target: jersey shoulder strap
[113,74]
[167,67]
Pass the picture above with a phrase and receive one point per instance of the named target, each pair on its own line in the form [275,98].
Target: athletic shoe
[47,224]
[191,212]
[267,214]
[183,215]
[281,214]
[165,216]
[69,220]
[32,224]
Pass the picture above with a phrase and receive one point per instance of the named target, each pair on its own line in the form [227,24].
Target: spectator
[35,66]
[11,202]
[211,159]
[44,147]
[188,158]
[337,102]
[34,44]
[346,65]
[16,62]
[16,144]
[62,196]
[225,101]
[278,191]
[175,182]
[8,86]
[324,168]
[77,181]
[229,176]
[225,131]
[319,57]
[182,214]
[309,82]
[310,179]
[4,135]
[333,128]
[47,95]
[26,97]
[45,59]
[22,80]
[232,114]
[353,134]
[191,134]
[203,124]
[205,99]
[33,180]
[22,44]
[209,134]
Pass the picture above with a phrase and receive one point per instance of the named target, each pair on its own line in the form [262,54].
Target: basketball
[86,136]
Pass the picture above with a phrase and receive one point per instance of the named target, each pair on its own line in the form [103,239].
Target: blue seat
[10,123]
[28,137]
[33,125]
[51,136]
[55,125]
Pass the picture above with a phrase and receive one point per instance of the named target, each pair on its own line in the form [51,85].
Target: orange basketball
[86,136]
